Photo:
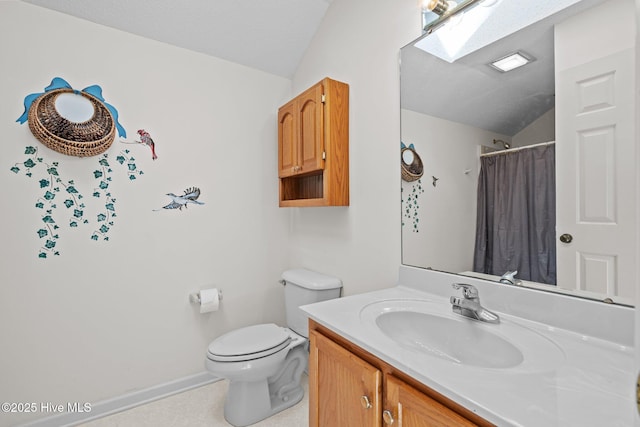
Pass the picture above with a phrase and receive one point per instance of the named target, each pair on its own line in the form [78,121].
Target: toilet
[264,363]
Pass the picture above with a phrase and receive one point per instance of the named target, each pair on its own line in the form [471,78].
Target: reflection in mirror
[407,157]
[525,157]
[74,107]
[411,163]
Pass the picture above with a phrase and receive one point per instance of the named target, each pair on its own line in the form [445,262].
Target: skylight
[485,23]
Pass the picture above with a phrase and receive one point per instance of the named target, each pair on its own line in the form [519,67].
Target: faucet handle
[468,291]
[510,276]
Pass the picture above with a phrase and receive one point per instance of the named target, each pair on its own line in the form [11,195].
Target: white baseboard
[125,401]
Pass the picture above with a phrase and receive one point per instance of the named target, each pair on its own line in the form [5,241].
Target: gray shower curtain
[516,216]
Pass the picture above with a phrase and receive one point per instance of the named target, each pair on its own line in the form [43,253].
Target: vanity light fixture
[512,61]
[439,7]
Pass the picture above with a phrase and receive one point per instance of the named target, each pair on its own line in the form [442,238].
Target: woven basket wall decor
[81,139]
[413,170]
[85,139]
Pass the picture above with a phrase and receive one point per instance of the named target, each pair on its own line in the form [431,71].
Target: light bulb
[438,7]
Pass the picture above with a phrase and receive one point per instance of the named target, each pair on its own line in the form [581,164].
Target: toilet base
[248,402]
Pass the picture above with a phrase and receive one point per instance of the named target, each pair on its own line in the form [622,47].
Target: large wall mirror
[529,170]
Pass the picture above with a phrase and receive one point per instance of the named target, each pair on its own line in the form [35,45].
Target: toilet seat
[251,342]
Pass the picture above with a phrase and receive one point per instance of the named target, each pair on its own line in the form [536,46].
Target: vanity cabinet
[350,387]
[346,389]
[313,147]
[411,407]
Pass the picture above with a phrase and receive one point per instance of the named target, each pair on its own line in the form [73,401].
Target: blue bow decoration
[60,83]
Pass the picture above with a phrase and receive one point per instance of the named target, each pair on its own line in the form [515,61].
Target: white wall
[447,212]
[636,413]
[358,43]
[107,318]
[595,33]
[542,129]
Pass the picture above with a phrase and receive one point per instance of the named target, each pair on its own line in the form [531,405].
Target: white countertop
[593,384]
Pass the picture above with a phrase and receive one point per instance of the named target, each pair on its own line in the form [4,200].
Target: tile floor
[199,407]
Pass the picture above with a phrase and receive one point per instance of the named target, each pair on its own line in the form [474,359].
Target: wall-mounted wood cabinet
[313,147]
[350,387]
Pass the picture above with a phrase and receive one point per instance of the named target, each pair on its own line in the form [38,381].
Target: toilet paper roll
[209,300]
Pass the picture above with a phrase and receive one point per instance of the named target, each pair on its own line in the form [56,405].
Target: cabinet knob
[387,417]
[364,401]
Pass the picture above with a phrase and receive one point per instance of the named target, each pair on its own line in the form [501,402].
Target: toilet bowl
[264,363]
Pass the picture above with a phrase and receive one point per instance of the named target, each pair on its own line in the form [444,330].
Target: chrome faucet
[469,304]
[510,279]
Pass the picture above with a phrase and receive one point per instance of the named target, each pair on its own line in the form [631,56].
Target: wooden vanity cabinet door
[300,134]
[310,111]
[340,386]
[287,151]
[411,408]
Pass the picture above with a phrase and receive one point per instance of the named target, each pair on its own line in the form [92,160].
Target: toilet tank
[306,287]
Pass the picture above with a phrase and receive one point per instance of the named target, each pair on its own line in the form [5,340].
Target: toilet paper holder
[195,297]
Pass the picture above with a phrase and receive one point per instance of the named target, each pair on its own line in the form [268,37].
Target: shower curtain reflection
[516,216]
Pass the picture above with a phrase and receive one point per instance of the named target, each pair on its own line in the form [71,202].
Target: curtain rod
[511,150]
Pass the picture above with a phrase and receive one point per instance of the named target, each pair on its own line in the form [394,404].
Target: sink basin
[459,341]
[429,328]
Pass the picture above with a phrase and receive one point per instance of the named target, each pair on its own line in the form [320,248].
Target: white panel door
[595,172]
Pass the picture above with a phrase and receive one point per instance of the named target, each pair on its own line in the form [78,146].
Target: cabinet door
[410,408]
[287,139]
[344,390]
[310,112]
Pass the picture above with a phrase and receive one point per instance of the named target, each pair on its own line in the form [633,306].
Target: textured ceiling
[269,35]
[469,91]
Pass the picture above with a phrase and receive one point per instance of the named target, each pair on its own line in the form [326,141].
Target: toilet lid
[251,342]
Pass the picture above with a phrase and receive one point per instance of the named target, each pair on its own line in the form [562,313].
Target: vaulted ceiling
[268,35]
[273,35]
